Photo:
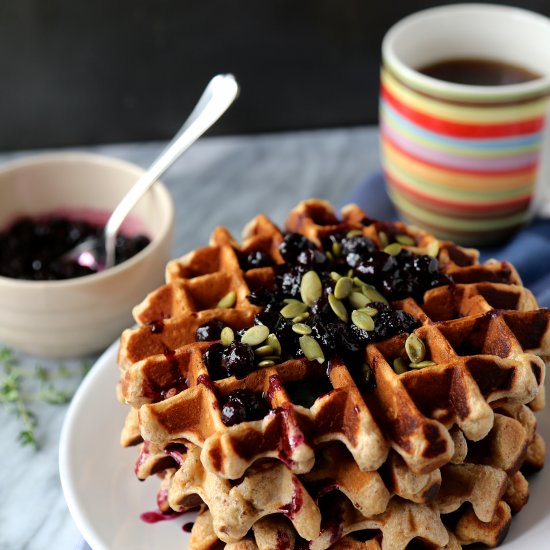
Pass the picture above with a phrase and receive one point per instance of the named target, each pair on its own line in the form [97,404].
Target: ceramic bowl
[82,315]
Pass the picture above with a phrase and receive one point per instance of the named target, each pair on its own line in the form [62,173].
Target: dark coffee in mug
[478,72]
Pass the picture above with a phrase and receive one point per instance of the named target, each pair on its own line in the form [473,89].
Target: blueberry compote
[243,405]
[30,248]
[374,279]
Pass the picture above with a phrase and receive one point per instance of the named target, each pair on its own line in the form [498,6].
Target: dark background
[76,72]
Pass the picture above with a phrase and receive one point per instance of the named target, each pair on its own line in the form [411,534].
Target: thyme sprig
[21,386]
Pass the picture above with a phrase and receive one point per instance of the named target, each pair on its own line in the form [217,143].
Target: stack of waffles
[423,440]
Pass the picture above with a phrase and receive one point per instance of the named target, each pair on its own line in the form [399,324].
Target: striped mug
[460,159]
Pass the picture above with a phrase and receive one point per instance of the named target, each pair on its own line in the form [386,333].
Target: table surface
[221,181]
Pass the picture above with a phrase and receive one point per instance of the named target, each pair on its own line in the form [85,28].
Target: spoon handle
[216,98]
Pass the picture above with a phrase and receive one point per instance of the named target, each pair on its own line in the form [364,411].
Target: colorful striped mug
[463,160]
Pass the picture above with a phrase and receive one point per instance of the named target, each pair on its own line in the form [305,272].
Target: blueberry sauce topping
[237,359]
[31,248]
[209,331]
[328,302]
[255,259]
[243,405]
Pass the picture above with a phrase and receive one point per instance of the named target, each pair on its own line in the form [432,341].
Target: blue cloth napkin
[528,250]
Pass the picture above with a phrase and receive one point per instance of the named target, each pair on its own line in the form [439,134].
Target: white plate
[97,475]
[106,500]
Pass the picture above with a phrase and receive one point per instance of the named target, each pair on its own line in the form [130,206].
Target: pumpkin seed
[336,249]
[300,328]
[399,366]
[383,239]
[353,233]
[255,335]
[393,249]
[329,255]
[335,276]
[421,364]
[266,363]
[358,300]
[433,249]
[311,288]
[362,320]
[273,341]
[293,309]
[373,295]
[262,351]
[338,307]
[312,350]
[406,240]
[415,348]
[367,372]
[301,317]
[371,311]
[350,272]
[291,301]
[343,288]
[228,300]
[227,336]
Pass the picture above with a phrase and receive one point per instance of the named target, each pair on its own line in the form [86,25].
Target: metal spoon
[216,98]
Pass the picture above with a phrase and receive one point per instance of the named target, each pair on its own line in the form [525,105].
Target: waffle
[428,442]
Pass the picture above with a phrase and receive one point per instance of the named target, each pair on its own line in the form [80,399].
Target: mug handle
[541,202]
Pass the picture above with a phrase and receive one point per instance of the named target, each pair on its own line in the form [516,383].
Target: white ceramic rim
[454,90]
[111,162]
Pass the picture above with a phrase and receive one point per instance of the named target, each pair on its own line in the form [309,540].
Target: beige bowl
[81,315]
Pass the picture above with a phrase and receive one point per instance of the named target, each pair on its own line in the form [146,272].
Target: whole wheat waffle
[431,439]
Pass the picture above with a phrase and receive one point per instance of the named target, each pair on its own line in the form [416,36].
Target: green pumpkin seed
[255,335]
[421,364]
[433,249]
[399,366]
[358,300]
[266,363]
[350,273]
[293,309]
[338,307]
[311,288]
[228,300]
[373,295]
[383,239]
[300,328]
[312,350]
[301,317]
[291,301]
[329,255]
[415,348]
[343,288]
[393,249]
[406,240]
[362,320]
[336,249]
[273,341]
[353,233]
[335,276]
[227,336]
[367,372]
[371,311]
[262,351]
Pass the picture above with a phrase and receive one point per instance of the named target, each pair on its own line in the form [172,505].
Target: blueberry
[262,297]
[243,405]
[355,249]
[293,244]
[209,331]
[212,359]
[255,259]
[238,359]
